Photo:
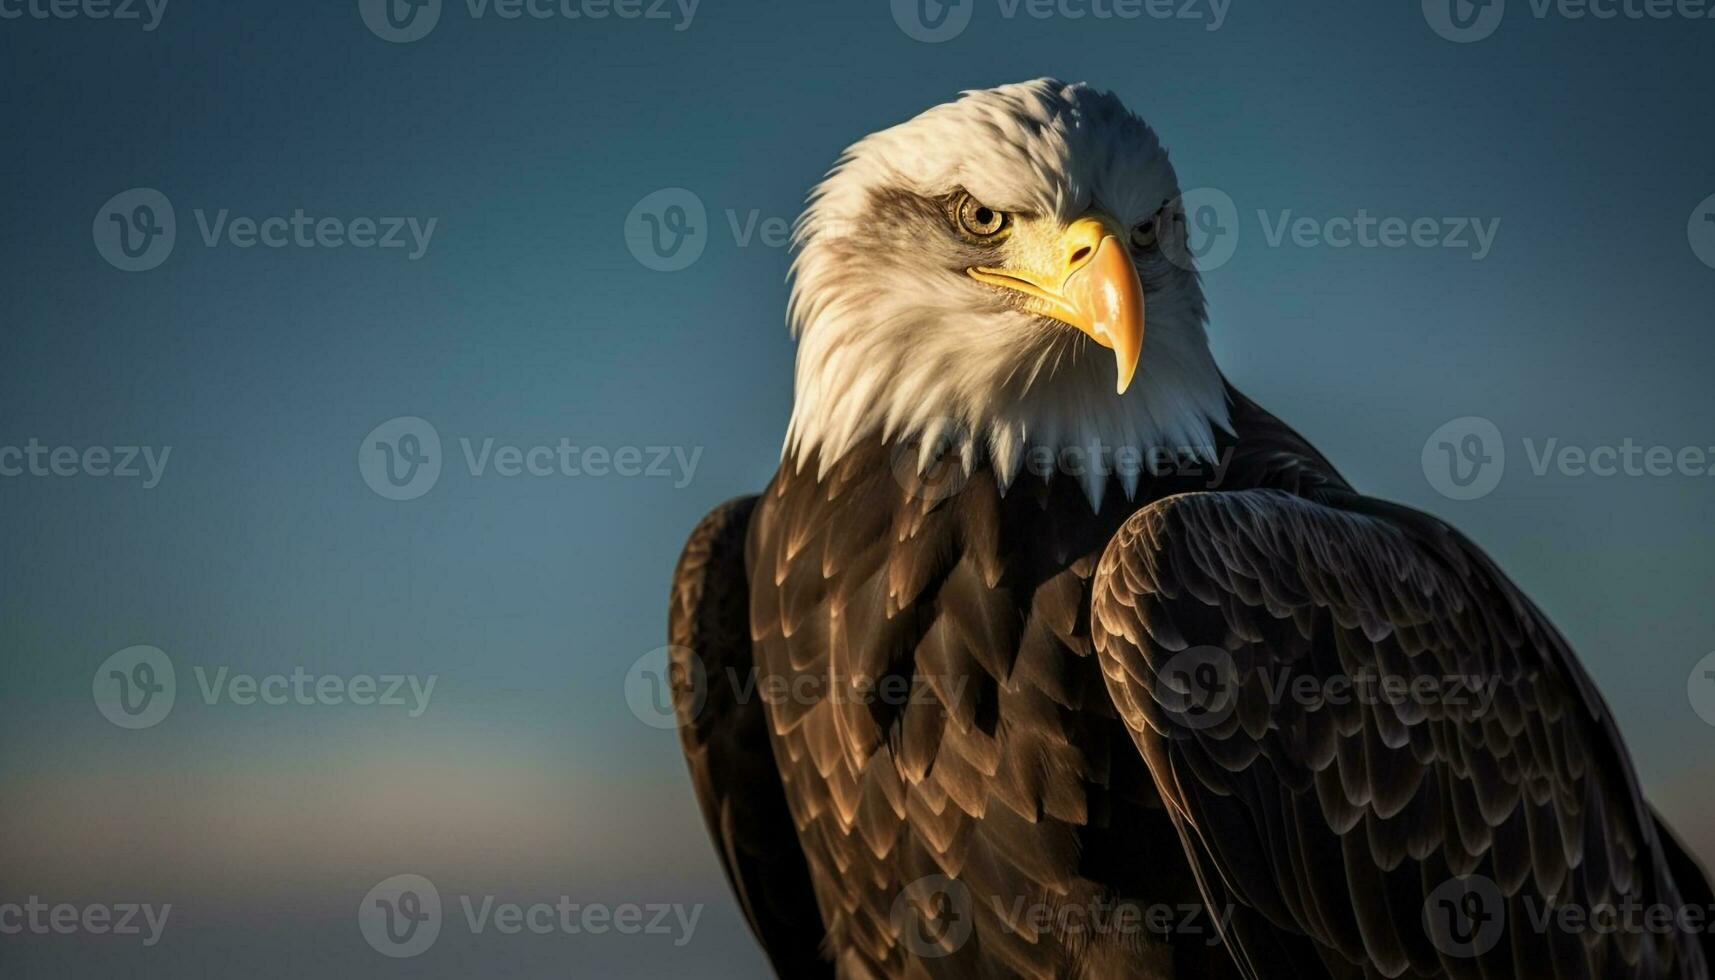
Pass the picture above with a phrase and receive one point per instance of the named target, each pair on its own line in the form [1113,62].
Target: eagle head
[1000,274]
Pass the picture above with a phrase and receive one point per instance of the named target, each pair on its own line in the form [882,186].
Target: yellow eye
[978,220]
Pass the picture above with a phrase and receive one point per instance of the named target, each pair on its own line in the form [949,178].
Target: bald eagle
[1043,628]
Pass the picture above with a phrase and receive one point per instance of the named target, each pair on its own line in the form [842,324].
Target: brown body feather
[898,723]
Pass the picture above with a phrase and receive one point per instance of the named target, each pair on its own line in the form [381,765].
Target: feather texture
[1334,813]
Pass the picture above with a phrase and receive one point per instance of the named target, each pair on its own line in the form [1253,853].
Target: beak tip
[1125,363]
[1107,292]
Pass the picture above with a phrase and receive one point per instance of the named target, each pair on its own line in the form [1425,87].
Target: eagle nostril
[1080,255]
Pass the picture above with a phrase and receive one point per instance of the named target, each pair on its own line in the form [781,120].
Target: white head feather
[897,342]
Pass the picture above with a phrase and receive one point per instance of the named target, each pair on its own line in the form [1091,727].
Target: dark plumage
[1010,770]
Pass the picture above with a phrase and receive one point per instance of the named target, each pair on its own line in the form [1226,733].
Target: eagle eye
[1146,234]
[978,221]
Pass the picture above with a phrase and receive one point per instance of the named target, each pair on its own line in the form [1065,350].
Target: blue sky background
[529,320]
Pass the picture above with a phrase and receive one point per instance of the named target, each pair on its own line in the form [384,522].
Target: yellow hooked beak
[1082,276]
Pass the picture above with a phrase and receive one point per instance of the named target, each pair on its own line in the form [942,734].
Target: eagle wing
[1420,832]
[725,737]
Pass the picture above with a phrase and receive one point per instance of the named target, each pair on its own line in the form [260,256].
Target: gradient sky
[528,320]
